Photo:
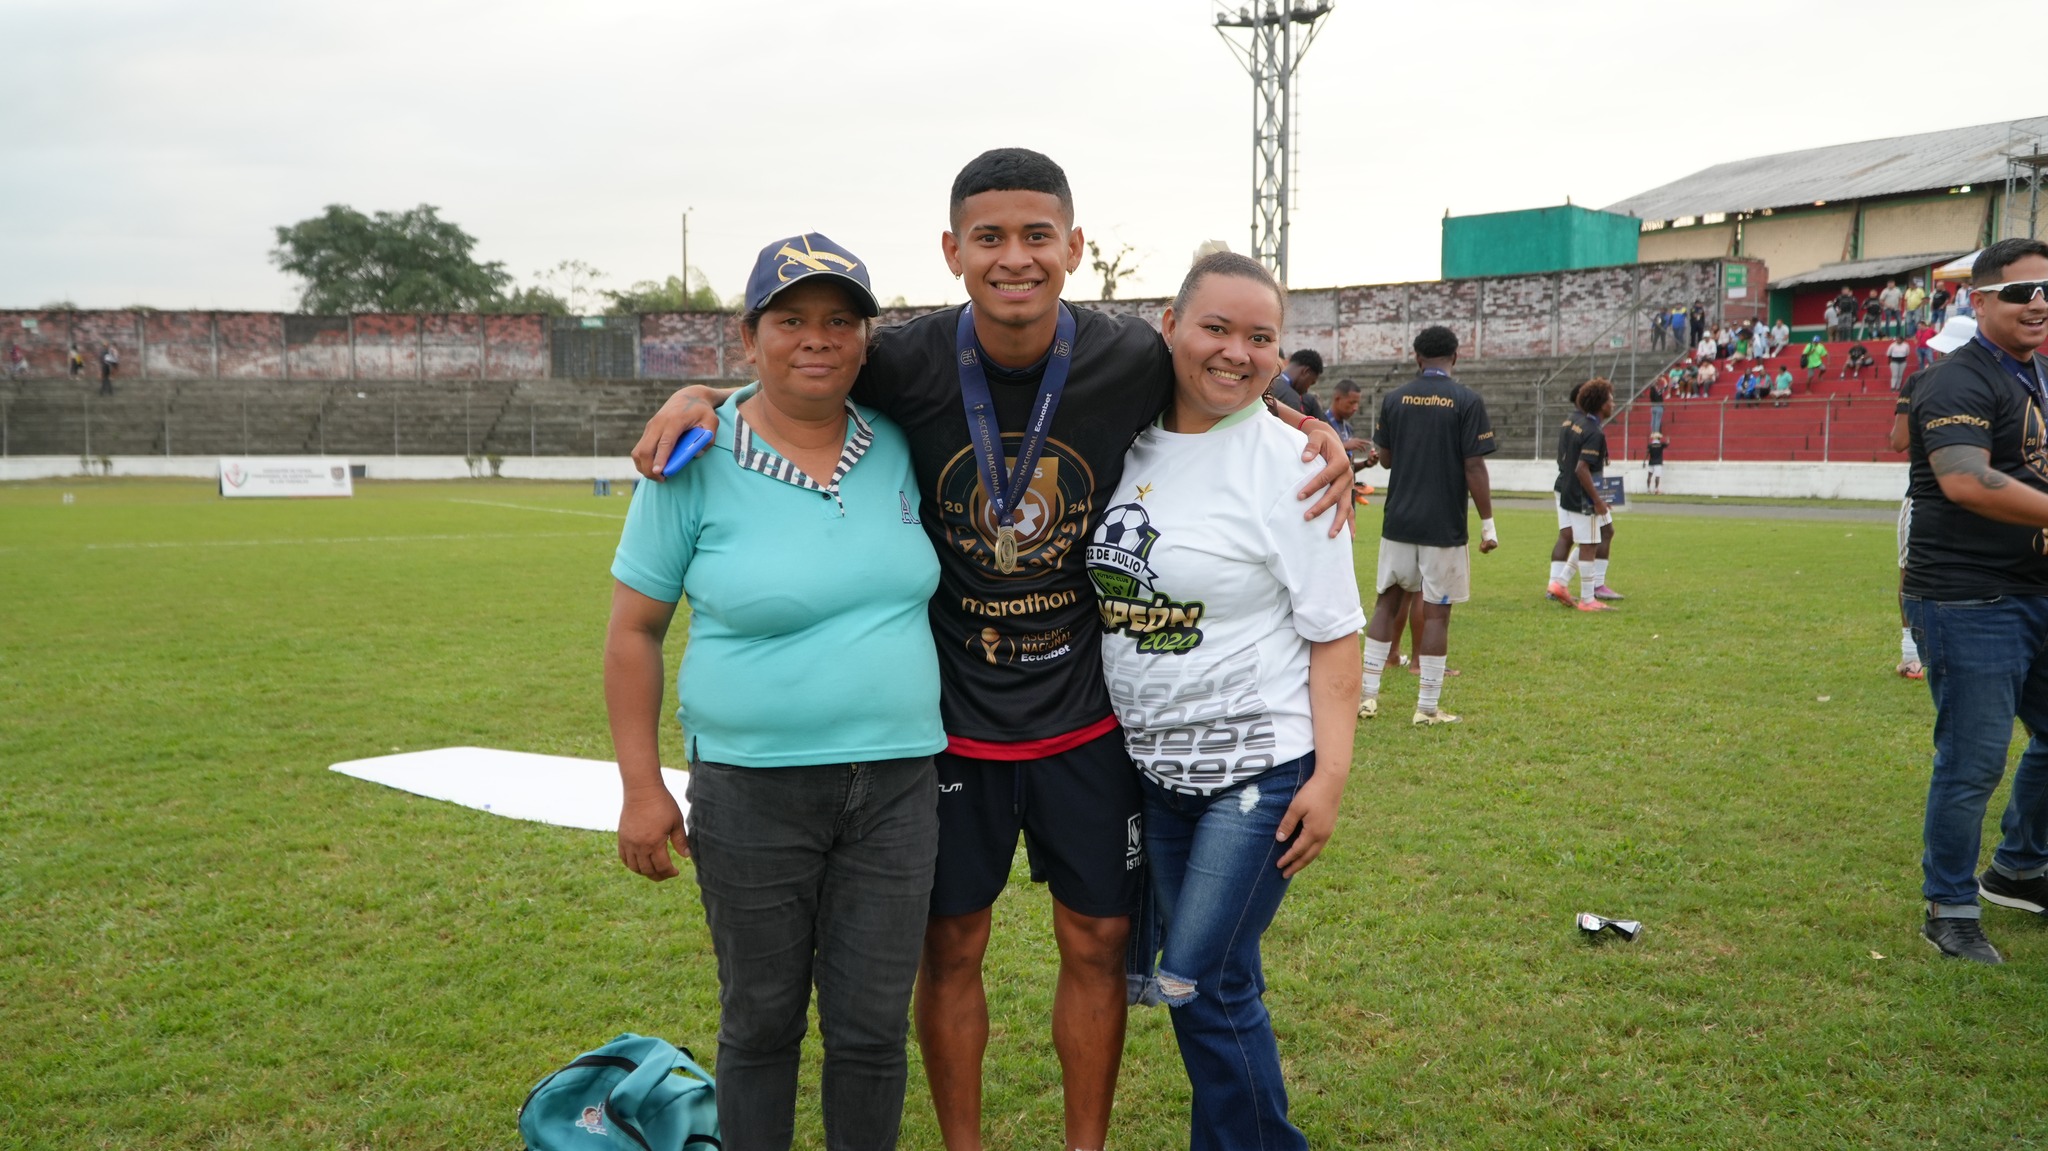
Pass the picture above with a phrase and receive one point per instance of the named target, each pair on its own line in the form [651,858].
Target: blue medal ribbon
[1005,493]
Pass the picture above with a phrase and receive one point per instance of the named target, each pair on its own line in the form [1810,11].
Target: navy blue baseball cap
[785,262]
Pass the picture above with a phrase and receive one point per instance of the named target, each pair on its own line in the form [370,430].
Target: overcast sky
[148,150]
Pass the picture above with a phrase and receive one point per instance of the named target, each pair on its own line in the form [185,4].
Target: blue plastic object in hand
[694,441]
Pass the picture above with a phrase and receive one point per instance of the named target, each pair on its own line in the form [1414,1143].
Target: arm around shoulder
[695,406]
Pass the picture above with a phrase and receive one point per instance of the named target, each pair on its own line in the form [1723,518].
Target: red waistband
[1030,748]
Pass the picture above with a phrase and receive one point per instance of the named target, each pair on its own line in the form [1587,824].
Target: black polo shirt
[1977,397]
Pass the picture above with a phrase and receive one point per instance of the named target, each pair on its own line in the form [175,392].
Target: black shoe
[2018,894]
[1961,939]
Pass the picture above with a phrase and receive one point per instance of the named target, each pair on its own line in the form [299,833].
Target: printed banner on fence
[285,477]
[1613,491]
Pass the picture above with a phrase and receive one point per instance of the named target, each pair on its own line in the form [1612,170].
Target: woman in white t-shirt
[1898,352]
[1231,652]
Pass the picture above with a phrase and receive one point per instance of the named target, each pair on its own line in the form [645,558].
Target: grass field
[207,940]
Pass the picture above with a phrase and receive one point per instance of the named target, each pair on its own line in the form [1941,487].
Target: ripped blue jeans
[1212,859]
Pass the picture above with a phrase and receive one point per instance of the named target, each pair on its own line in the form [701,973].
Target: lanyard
[2026,373]
[1003,497]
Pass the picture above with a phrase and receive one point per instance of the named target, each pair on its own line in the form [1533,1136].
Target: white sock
[1375,664]
[1589,579]
[1559,571]
[1909,652]
[1571,566]
[1604,565]
[1432,682]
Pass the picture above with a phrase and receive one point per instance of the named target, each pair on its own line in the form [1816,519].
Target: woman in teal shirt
[813,803]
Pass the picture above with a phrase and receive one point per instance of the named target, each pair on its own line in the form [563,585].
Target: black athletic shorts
[1078,811]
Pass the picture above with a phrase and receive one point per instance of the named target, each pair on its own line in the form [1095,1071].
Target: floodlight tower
[1277,35]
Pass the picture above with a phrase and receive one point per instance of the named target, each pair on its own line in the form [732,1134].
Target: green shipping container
[1537,240]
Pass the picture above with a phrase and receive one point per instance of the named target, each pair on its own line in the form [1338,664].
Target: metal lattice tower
[1277,35]
[2025,157]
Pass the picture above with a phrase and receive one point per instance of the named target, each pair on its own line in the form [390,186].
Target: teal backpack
[626,1095]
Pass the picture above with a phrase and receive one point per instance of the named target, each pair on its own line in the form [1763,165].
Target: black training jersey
[1430,426]
[1020,654]
[1580,439]
[1971,399]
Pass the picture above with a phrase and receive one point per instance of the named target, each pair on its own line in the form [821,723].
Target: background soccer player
[1433,437]
[1581,449]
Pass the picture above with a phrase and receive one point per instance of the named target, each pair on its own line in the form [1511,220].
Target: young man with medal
[1018,409]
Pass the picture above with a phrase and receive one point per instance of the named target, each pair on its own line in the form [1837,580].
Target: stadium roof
[1866,269]
[1885,167]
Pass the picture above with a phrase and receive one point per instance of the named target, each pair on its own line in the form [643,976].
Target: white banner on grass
[555,789]
[285,476]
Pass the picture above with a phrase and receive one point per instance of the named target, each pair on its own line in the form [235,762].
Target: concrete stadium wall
[1775,480]
[1693,242]
[1501,316]
[1795,242]
[275,346]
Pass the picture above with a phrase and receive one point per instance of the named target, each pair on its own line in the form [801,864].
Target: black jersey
[1580,439]
[1975,398]
[1429,427]
[1019,654]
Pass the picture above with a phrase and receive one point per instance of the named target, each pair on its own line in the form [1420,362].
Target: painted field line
[318,540]
[530,508]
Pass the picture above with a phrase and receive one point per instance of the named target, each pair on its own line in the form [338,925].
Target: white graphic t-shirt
[1211,587]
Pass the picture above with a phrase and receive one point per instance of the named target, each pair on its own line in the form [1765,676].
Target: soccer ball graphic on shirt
[1117,554]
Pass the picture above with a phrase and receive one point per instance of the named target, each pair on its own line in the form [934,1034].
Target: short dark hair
[1226,264]
[1593,395]
[1436,342]
[1010,170]
[1992,262]
[1308,358]
[1344,387]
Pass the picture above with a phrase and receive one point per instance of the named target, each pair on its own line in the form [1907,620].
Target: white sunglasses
[2017,291]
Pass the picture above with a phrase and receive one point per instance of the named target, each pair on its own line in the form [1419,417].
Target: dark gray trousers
[814,874]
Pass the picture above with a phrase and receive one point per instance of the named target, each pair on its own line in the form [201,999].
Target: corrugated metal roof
[1886,167]
[1865,269]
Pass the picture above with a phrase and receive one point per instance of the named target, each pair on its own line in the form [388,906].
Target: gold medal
[1006,549]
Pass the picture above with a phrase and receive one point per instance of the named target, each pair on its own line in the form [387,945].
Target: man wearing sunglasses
[1976,595]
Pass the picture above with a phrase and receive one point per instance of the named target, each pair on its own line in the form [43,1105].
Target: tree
[528,301]
[1111,270]
[411,261]
[663,296]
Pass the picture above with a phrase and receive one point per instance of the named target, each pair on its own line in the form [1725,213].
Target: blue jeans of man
[1987,664]
[821,873]
[1213,874]
[1656,418]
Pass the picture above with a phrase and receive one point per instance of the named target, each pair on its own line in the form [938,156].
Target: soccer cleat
[1911,669]
[1559,592]
[1607,593]
[1432,718]
[1960,939]
[1369,707]
[2018,894]
[1593,605]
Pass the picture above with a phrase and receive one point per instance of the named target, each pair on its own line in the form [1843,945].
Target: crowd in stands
[1890,310]
[1899,322]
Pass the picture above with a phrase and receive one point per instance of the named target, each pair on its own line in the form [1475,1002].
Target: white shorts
[1443,575]
[1905,528]
[1585,526]
[1657,471]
